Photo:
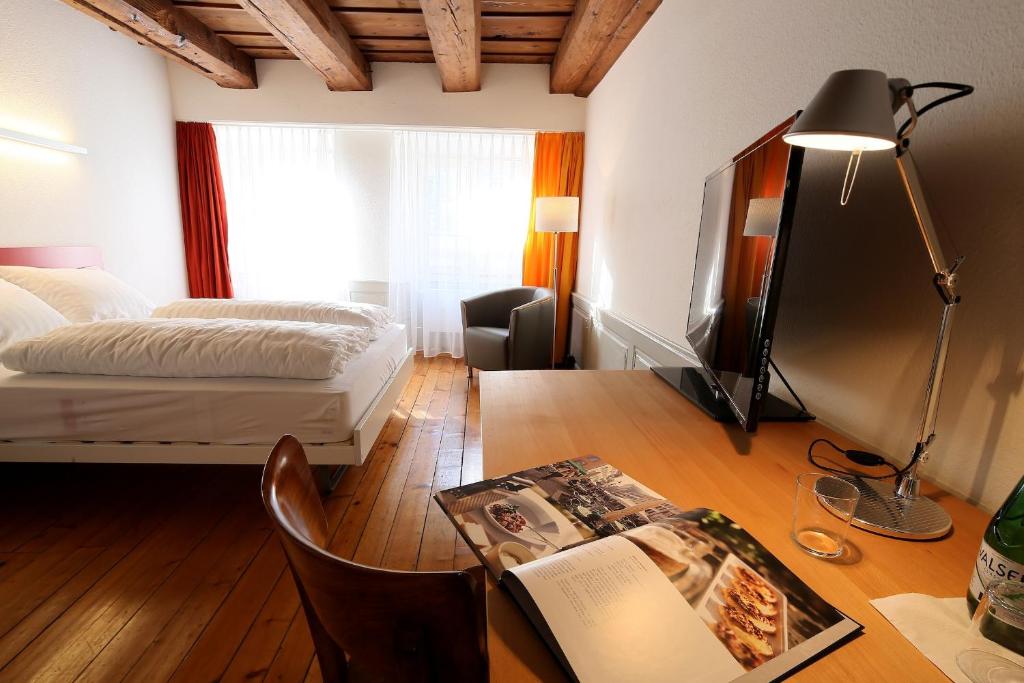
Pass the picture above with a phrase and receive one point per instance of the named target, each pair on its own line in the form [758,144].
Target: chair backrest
[531,332]
[369,623]
[493,308]
[541,293]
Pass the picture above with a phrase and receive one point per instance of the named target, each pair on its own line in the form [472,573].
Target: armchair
[511,329]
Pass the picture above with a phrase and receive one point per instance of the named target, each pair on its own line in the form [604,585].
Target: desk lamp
[556,214]
[853,112]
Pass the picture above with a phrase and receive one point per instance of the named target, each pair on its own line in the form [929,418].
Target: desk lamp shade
[852,111]
[763,217]
[557,214]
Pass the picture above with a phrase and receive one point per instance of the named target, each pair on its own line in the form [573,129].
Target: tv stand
[690,383]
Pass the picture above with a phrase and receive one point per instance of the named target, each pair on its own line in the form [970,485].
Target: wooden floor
[165,572]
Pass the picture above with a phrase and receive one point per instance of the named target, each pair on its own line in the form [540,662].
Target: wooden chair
[368,623]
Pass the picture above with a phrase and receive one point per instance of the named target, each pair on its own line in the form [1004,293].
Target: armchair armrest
[494,308]
[531,335]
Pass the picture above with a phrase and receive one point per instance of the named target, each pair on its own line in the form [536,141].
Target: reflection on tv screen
[735,251]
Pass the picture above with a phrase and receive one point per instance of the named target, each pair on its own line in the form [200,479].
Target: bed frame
[51,257]
[351,452]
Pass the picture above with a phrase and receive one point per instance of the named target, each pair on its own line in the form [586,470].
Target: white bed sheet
[222,410]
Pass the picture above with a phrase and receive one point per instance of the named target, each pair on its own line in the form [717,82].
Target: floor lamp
[853,112]
[555,215]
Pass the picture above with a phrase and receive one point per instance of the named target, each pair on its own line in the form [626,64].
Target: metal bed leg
[327,478]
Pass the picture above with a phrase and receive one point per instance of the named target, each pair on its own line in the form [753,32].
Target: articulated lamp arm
[945,281]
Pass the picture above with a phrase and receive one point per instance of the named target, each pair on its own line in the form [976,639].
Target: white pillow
[23,315]
[81,295]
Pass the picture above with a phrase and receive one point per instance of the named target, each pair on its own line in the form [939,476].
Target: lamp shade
[557,214]
[763,217]
[852,111]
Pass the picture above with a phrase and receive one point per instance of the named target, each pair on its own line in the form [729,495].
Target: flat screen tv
[745,225]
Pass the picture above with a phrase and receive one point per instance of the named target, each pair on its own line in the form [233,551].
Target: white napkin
[938,627]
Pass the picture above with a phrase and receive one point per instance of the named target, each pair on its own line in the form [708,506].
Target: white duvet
[374,318]
[191,348]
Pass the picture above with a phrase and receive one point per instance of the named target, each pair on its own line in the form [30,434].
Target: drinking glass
[822,511]
[1000,615]
[998,619]
[981,666]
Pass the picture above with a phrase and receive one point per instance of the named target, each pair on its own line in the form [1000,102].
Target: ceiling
[340,39]
[512,31]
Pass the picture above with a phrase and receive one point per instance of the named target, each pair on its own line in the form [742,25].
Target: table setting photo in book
[623,584]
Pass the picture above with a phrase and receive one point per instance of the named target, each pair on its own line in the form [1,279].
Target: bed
[94,418]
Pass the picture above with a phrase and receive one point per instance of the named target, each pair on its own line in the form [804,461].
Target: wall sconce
[38,141]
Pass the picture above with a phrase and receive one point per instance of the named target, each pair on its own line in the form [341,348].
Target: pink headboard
[51,257]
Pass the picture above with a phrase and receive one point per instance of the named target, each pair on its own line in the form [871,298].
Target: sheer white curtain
[286,237]
[460,204]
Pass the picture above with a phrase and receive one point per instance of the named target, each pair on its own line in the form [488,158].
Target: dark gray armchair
[511,329]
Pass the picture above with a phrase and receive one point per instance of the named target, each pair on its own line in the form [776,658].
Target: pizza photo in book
[622,584]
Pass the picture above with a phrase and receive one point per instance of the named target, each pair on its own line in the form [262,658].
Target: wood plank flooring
[166,572]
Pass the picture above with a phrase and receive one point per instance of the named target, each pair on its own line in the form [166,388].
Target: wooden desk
[637,422]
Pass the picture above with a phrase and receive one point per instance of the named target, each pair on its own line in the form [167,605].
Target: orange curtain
[557,172]
[204,215]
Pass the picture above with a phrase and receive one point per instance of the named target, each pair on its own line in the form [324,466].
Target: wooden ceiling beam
[595,36]
[502,6]
[381,24]
[635,20]
[454,30]
[177,35]
[313,32]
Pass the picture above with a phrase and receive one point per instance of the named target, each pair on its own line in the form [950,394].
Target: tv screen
[745,226]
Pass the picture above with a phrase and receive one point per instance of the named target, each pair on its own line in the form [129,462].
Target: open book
[623,585]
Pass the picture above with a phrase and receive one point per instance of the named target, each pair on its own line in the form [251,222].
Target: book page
[754,606]
[617,618]
[541,511]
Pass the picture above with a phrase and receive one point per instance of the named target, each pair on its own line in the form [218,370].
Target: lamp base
[880,511]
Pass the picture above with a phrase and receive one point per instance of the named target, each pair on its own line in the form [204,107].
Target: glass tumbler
[1000,615]
[998,619]
[822,511]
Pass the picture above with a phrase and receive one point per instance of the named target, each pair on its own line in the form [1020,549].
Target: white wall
[703,80]
[512,96]
[66,76]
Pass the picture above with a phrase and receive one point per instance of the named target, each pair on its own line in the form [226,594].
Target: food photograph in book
[752,602]
[537,512]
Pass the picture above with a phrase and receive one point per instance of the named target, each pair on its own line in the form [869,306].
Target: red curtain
[204,215]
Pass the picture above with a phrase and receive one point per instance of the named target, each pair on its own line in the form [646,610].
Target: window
[460,205]
[438,215]
[285,237]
